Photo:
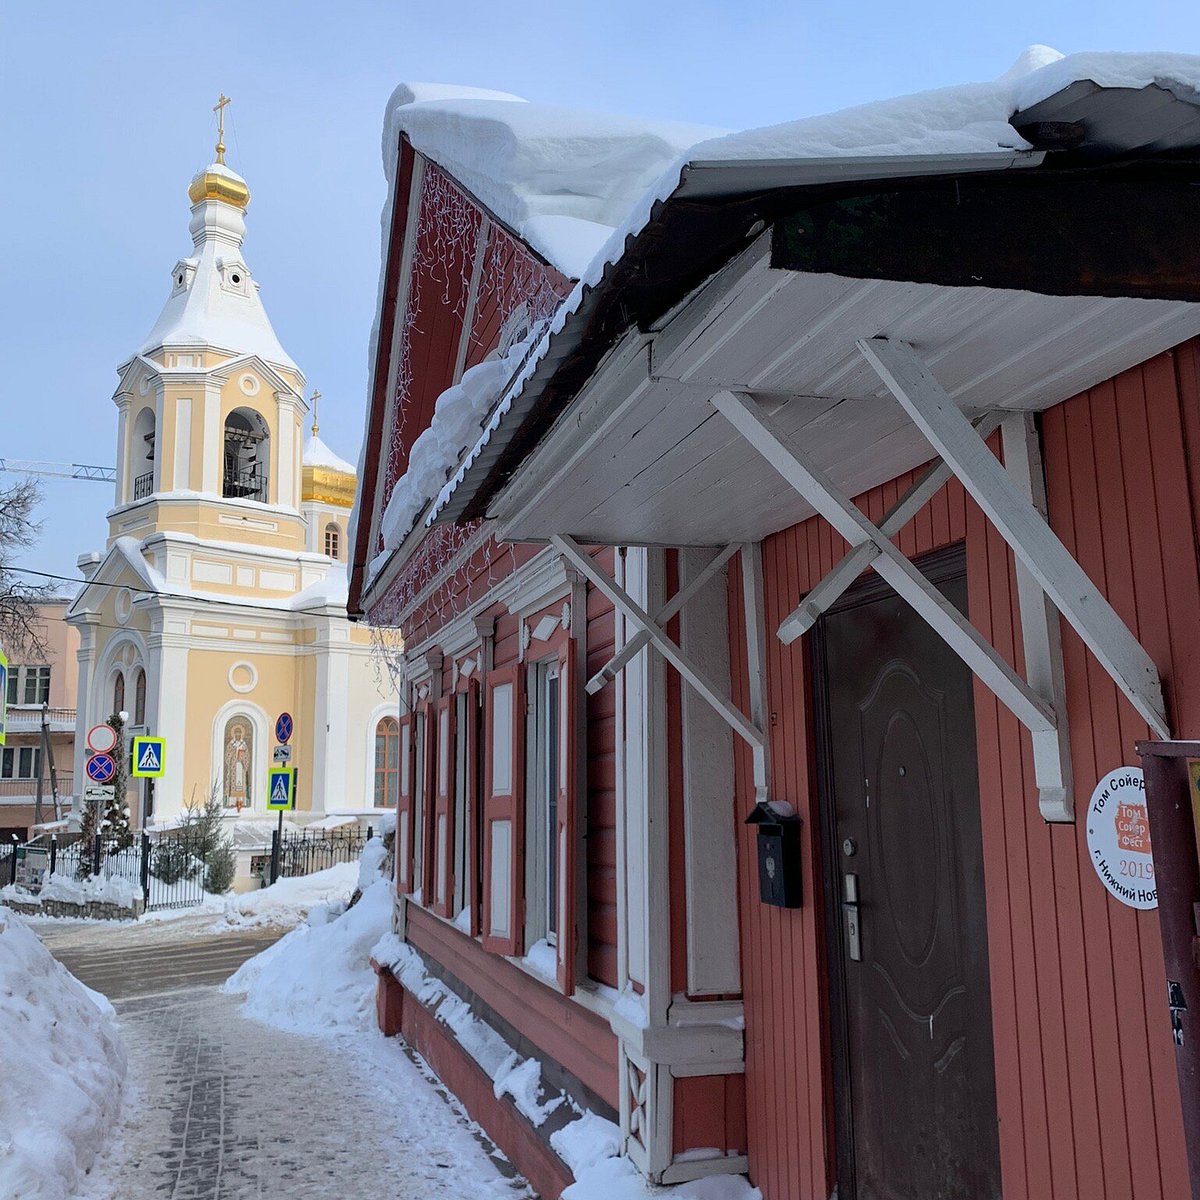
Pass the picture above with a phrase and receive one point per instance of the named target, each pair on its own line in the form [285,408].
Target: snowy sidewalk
[220,1107]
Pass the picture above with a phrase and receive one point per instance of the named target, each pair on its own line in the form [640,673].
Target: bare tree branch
[20,622]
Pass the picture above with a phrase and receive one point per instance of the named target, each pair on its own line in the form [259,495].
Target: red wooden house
[764,651]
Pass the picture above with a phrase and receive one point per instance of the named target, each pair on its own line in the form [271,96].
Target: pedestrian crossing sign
[281,788]
[149,757]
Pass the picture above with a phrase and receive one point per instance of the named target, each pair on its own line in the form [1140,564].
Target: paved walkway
[220,1107]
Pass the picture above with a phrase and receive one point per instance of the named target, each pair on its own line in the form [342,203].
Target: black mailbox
[778,853]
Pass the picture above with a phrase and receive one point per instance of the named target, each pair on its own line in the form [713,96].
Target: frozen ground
[220,1107]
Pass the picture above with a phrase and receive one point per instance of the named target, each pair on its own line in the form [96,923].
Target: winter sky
[107,115]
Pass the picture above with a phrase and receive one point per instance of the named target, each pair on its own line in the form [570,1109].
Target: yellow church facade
[219,601]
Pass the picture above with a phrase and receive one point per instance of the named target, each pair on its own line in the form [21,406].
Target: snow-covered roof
[208,306]
[317,454]
[561,178]
[955,124]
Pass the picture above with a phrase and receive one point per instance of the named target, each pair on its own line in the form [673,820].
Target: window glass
[462,774]
[7,760]
[119,693]
[13,672]
[418,802]
[387,762]
[333,540]
[139,698]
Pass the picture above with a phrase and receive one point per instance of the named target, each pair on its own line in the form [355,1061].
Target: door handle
[850,917]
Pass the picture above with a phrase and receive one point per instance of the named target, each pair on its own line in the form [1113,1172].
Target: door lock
[850,917]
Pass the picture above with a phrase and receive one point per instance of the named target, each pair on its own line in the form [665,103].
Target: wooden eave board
[672,472]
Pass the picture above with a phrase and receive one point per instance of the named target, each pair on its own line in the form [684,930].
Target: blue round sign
[283,728]
[101,768]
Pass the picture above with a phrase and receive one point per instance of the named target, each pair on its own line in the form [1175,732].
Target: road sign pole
[276,842]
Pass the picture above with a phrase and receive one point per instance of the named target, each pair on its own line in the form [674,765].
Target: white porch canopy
[773,395]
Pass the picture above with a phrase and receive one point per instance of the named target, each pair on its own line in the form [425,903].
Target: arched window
[387,762]
[139,697]
[141,456]
[333,540]
[237,763]
[118,692]
[247,456]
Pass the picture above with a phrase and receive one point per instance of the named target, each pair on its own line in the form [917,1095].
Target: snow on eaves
[959,120]
[457,417]
[562,178]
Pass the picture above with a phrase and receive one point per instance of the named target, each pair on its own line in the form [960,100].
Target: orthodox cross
[219,109]
[315,397]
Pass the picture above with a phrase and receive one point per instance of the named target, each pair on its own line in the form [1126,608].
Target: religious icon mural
[238,762]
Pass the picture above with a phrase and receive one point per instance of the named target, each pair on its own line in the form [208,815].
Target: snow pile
[63,1069]
[318,979]
[289,901]
[521,1079]
[102,889]
[457,418]
[562,178]
[619,1179]
[585,1143]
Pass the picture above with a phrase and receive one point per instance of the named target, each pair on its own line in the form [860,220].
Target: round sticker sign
[1118,837]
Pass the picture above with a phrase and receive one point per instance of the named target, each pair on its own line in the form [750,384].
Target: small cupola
[325,478]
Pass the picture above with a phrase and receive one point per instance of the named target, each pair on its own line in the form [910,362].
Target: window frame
[333,531]
[544,748]
[387,728]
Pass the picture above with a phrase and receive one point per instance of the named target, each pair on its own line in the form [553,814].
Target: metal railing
[308,851]
[28,718]
[28,787]
[143,486]
[246,484]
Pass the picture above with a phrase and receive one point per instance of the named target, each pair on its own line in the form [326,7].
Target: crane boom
[29,466]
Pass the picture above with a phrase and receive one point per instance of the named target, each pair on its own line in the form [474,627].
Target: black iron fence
[309,850]
[174,868]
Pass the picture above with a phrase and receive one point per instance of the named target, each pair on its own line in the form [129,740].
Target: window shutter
[442,877]
[474,888]
[504,812]
[423,815]
[404,806]
[565,834]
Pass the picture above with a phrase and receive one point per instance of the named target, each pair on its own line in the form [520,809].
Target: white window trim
[541,790]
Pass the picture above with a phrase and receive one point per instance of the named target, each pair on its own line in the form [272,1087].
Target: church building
[219,601]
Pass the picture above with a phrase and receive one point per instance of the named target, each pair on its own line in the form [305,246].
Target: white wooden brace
[575,555]
[834,585]
[816,487]
[1033,541]
[1041,634]
[641,639]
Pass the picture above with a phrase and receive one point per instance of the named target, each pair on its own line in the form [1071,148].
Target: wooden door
[914,1074]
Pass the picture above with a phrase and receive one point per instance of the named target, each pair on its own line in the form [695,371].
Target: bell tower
[211,408]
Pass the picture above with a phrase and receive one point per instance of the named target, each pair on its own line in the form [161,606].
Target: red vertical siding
[1084,1072]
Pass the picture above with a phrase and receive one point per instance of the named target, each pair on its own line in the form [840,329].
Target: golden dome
[218,182]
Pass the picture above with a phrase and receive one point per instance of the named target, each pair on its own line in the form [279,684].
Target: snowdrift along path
[63,1064]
